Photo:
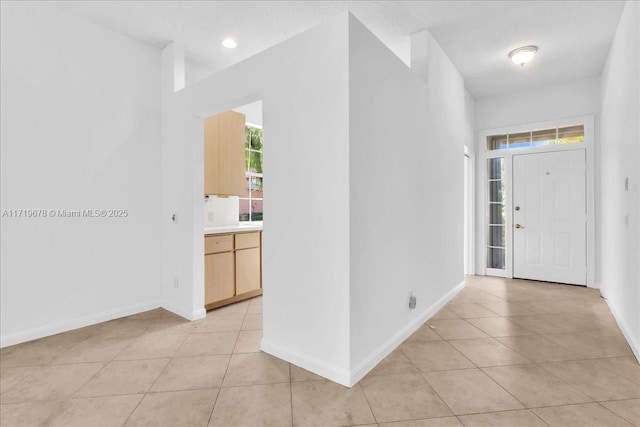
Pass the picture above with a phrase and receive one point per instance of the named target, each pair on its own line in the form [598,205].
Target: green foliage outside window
[253,149]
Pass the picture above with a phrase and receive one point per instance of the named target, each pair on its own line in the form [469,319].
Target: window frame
[250,174]
[556,139]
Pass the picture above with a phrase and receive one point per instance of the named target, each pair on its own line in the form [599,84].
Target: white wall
[469,129]
[195,72]
[80,129]
[620,159]
[406,154]
[317,91]
[573,99]
[303,83]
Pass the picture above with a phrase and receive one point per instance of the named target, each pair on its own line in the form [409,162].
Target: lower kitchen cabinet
[218,277]
[247,270]
[232,268]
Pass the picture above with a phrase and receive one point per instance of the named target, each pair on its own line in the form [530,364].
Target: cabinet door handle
[519,226]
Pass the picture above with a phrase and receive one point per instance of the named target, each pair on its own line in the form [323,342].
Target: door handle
[519,226]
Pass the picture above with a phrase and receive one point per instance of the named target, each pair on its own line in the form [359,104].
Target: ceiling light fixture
[229,43]
[522,55]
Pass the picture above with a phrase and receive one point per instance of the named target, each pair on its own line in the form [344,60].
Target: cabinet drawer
[247,240]
[215,244]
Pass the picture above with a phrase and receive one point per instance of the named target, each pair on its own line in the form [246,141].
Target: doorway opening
[537,202]
[233,206]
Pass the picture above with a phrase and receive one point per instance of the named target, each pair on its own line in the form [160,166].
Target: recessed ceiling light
[522,55]
[229,43]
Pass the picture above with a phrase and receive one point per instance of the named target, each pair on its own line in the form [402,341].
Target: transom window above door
[536,138]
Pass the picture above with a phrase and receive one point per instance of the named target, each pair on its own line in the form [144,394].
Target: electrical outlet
[176,283]
[626,184]
[210,216]
[412,300]
[626,220]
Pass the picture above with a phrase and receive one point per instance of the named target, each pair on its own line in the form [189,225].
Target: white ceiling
[573,36]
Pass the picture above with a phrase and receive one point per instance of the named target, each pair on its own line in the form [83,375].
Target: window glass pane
[251,203]
[543,137]
[571,134]
[495,258]
[496,214]
[244,210]
[253,161]
[520,140]
[256,194]
[496,235]
[566,135]
[247,185]
[255,185]
[495,168]
[256,210]
[495,191]
[497,142]
[253,138]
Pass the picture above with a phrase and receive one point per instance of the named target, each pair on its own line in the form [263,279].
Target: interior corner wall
[406,161]
[195,72]
[303,84]
[470,122]
[620,160]
[80,130]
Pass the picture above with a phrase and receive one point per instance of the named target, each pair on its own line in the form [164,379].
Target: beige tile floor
[502,353]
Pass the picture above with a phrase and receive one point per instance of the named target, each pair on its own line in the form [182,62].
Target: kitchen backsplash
[221,211]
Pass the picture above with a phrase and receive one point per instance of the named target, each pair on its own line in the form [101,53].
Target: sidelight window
[496,213]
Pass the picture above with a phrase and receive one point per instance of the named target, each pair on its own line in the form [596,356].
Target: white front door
[549,217]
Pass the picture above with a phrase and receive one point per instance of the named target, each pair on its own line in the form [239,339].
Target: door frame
[469,219]
[482,190]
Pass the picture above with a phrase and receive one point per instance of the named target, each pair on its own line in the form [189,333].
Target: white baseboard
[624,327]
[383,351]
[349,378]
[189,315]
[69,325]
[317,366]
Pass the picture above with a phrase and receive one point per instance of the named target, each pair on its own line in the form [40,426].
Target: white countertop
[234,228]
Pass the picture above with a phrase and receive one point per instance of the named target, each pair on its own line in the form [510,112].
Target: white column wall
[407,142]
[620,161]
[303,84]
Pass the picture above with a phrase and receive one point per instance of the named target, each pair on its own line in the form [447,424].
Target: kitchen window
[251,200]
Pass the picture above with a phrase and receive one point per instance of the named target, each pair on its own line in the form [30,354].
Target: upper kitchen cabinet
[224,154]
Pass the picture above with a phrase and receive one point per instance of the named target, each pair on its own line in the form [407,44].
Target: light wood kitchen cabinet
[219,268]
[218,277]
[248,265]
[233,268]
[247,270]
[224,154]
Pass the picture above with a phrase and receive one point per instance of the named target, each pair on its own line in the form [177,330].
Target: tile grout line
[134,409]
[482,369]
[614,412]
[291,393]
[224,376]
[364,393]
[525,407]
